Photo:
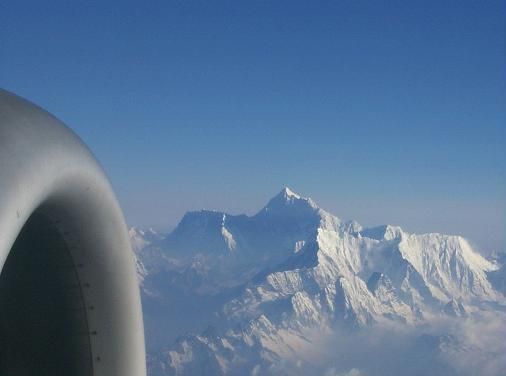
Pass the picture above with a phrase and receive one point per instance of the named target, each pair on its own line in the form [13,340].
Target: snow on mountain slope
[226,250]
[140,240]
[274,283]
[498,276]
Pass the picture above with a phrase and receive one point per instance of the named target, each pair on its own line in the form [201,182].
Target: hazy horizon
[411,226]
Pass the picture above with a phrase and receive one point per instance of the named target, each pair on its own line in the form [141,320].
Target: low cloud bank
[445,347]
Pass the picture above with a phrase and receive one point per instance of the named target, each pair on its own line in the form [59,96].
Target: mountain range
[294,290]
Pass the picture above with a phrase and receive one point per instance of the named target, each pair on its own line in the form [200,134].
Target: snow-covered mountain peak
[288,193]
[289,199]
[383,232]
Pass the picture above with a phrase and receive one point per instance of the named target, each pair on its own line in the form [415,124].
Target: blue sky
[382,111]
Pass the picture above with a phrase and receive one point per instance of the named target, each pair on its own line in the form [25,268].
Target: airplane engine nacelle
[69,298]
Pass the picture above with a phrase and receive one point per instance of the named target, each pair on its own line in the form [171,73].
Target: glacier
[291,289]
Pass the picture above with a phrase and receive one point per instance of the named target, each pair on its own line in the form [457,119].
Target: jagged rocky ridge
[246,295]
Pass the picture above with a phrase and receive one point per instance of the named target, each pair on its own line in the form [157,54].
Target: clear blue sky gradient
[382,111]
